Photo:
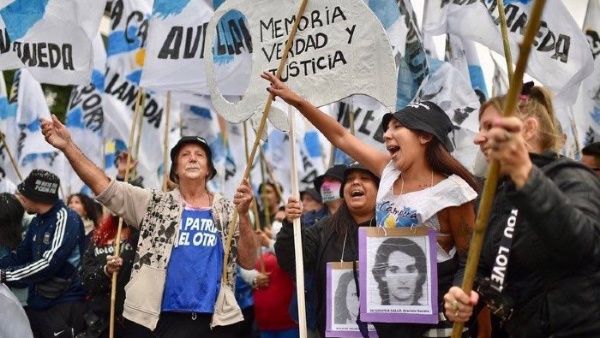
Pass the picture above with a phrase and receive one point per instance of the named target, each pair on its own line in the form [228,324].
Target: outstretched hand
[55,133]
[278,88]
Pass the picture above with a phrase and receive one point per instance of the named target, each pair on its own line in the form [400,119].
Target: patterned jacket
[158,216]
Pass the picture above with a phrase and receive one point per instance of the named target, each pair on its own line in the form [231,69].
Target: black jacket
[97,284]
[320,245]
[553,273]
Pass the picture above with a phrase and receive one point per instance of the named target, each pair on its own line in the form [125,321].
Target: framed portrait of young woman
[343,301]
[400,280]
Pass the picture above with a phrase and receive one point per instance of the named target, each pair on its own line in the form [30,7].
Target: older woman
[540,261]
[333,238]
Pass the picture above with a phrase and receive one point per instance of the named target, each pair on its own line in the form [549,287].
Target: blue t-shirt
[195,266]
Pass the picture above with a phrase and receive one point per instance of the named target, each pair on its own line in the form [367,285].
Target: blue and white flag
[33,152]
[559,58]
[85,116]
[399,20]
[176,44]
[125,59]
[52,38]
[462,54]
[499,80]
[8,126]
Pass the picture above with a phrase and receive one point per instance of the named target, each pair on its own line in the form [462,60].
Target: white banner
[175,51]
[85,116]
[559,58]
[52,38]
[33,152]
[8,126]
[125,59]
[339,42]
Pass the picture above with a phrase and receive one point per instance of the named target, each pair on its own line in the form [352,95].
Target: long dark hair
[11,216]
[342,313]
[442,162]
[89,206]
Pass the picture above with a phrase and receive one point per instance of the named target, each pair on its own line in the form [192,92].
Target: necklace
[419,186]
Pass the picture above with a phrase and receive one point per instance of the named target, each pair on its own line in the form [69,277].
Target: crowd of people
[192,263]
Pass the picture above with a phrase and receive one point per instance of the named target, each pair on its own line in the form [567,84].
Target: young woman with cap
[421,183]
[332,238]
[541,248]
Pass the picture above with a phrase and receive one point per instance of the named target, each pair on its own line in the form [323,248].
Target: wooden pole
[297,232]
[10,156]
[489,190]
[260,131]
[505,43]
[166,144]
[117,242]
[140,125]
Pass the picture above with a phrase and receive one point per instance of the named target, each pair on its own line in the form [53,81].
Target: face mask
[330,191]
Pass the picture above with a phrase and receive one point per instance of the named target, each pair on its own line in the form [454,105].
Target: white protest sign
[340,49]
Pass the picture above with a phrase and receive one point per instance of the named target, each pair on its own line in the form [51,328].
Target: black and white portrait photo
[343,300]
[400,282]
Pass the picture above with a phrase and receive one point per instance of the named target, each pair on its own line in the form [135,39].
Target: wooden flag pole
[166,144]
[489,190]
[260,131]
[505,43]
[12,159]
[297,232]
[117,242]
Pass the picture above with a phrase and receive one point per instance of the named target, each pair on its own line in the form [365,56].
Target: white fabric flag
[176,43]
[52,38]
[8,126]
[125,58]
[586,111]
[33,152]
[400,23]
[85,117]
[558,58]
[499,80]
[462,54]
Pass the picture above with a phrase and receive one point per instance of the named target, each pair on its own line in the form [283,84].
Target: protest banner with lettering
[340,45]
[85,116]
[176,43]
[125,59]
[52,38]
[8,126]
[559,57]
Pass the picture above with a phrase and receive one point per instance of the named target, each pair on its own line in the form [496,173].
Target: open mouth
[392,149]
[357,193]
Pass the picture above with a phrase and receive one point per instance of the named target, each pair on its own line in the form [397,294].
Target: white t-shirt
[13,320]
[419,207]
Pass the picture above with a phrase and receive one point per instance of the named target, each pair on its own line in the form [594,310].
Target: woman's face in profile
[352,299]
[401,276]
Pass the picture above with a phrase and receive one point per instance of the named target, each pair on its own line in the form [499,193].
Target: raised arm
[59,137]
[372,158]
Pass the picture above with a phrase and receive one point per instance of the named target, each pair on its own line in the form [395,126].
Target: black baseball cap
[189,140]
[424,116]
[355,166]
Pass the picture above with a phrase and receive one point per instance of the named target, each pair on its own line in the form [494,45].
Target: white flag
[33,152]
[8,126]
[176,44]
[586,112]
[85,116]
[499,80]
[559,58]
[125,58]
[52,38]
